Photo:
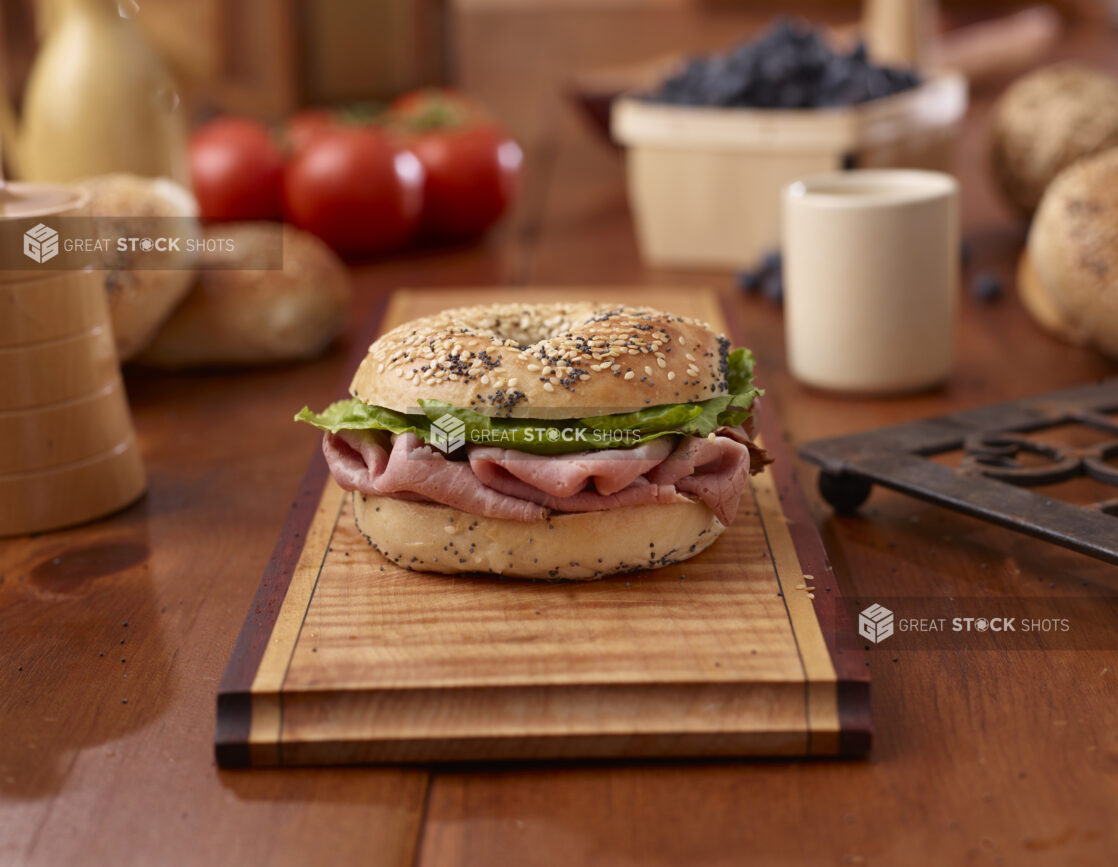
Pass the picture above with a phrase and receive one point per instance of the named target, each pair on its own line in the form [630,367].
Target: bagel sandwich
[556,441]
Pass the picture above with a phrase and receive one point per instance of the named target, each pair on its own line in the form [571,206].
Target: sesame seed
[513,382]
[671,375]
[689,356]
[533,367]
[661,362]
[648,370]
[630,375]
[547,386]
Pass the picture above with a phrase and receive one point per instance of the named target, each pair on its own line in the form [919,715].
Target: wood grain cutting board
[347,658]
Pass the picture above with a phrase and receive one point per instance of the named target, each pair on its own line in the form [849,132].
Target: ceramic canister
[68,452]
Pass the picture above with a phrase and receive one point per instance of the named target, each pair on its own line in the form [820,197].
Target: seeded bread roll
[429,537]
[1042,306]
[140,300]
[1073,251]
[256,314]
[1046,121]
[545,361]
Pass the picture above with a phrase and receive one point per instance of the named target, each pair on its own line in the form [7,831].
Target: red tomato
[472,166]
[472,177]
[441,106]
[237,170]
[356,190]
[303,126]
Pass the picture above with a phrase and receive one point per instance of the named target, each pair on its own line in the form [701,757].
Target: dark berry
[986,286]
[773,288]
[789,66]
[749,281]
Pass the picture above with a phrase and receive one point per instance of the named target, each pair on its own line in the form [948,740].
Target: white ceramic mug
[871,274]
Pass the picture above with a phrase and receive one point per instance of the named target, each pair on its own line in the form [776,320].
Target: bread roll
[1070,273]
[256,314]
[1046,121]
[140,300]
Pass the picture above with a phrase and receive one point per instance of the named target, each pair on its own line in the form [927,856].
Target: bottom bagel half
[579,546]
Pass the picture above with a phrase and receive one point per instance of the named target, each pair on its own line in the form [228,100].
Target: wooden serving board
[347,658]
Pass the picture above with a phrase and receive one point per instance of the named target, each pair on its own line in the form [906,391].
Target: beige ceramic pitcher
[98,100]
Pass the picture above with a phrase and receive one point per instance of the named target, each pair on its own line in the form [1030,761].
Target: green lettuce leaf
[709,417]
[671,416]
[555,436]
[353,414]
[743,391]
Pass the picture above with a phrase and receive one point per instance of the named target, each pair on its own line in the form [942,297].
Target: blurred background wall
[268,57]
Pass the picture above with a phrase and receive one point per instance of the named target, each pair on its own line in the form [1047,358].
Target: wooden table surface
[113,636]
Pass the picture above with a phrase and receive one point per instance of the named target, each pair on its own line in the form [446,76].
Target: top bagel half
[545,361]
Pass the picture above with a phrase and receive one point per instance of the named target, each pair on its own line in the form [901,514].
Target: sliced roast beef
[714,469]
[356,458]
[639,492]
[758,457]
[609,470]
[415,468]
[507,484]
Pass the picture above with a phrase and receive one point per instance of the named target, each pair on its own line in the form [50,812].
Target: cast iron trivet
[999,465]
